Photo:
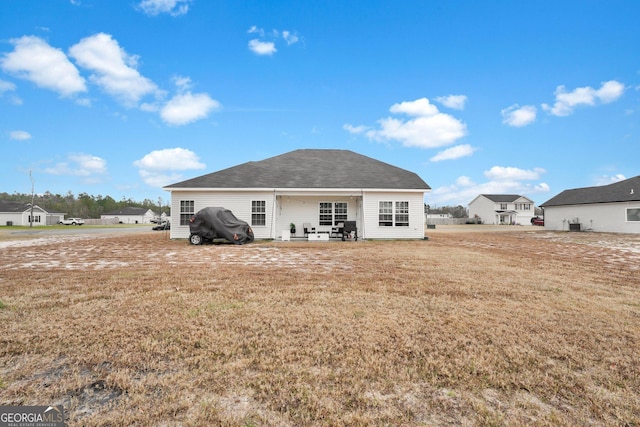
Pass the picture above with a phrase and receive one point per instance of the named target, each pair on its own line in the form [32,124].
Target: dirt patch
[98,253]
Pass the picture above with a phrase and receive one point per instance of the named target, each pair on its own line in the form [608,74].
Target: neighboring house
[17,213]
[610,208]
[131,215]
[320,188]
[502,209]
[439,216]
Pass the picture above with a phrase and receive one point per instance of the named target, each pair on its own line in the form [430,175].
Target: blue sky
[120,98]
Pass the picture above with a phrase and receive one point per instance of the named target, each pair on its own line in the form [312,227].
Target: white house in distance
[317,187]
[17,213]
[502,209]
[610,208]
[130,215]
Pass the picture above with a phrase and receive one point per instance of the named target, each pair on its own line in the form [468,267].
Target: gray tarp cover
[214,223]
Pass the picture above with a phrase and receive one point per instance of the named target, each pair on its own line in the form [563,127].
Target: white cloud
[501,173]
[255,30]
[89,167]
[419,107]
[518,116]
[266,43]
[19,135]
[354,129]
[567,101]
[606,179]
[453,101]
[149,107]
[454,153]
[610,91]
[428,128]
[172,7]
[6,86]
[186,107]
[161,167]
[84,102]
[262,48]
[182,83]
[290,37]
[115,69]
[35,60]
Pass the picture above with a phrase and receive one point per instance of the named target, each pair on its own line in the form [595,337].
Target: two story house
[502,209]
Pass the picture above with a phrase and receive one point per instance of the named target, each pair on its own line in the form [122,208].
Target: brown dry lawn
[525,327]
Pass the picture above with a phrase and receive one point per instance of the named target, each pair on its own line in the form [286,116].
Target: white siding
[127,219]
[132,219]
[238,202]
[605,217]
[484,208]
[22,218]
[15,218]
[371,205]
[299,207]
[523,217]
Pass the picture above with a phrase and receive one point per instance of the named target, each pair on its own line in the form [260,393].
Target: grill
[348,230]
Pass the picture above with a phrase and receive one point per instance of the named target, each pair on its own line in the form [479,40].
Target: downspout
[272,233]
[363,215]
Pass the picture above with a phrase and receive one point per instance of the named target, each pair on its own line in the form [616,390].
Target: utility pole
[32,199]
[160,212]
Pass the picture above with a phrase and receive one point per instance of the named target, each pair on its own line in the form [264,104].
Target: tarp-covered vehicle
[212,223]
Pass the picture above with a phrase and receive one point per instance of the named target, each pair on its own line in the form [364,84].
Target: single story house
[131,215]
[313,189]
[502,209]
[610,208]
[17,213]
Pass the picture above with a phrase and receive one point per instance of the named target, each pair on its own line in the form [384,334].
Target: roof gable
[310,168]
[622,191]
[18,207]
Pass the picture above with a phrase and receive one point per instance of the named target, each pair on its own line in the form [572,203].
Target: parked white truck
[72,221]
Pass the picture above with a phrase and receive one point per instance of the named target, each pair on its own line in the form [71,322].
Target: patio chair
[308,228]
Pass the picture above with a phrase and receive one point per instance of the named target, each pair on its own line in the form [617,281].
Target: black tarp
[220,223]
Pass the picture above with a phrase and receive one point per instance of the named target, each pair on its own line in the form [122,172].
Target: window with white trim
[393,214]
[385,214]
[326,213]
[339,212]
[36,218]
[187,210]
[331,213]
[402,214]
[258,212]
[633,214]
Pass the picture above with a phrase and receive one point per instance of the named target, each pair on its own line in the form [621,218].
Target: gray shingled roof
[310,169]
[14,206]
[502,198]
[622,191]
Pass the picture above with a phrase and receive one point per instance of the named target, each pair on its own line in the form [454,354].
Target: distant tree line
[81,206]
[455,211]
